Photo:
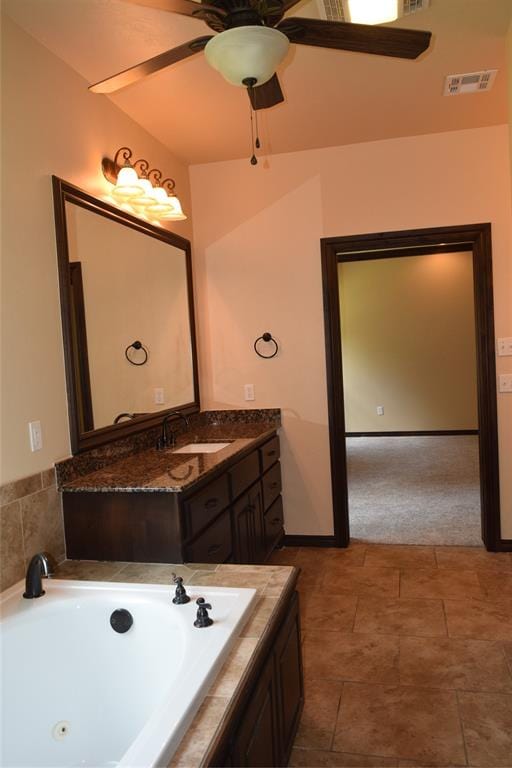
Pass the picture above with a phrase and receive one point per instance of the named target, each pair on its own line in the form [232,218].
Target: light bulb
[372,11]
[127,184]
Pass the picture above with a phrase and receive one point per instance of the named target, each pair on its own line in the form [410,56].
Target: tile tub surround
[205,425]
[30,521]
[416,674]
[165,471]
[273,583]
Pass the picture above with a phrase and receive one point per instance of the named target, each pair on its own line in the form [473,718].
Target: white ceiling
[332,97]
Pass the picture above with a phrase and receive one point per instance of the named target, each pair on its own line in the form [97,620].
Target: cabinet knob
[211,503]
[214,548]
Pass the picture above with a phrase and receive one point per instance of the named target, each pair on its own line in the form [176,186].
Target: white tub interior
[76,693]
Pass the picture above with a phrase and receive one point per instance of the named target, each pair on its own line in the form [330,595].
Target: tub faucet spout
[39,566]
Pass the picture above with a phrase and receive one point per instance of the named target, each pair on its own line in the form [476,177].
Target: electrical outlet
[505,347]
[249,391]
[380,410]
[159,395]
[36,435]
[506,382]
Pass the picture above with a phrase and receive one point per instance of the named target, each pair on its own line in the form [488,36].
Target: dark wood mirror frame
[82,440]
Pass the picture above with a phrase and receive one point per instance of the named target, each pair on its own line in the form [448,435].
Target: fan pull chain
[254,159]
[250,82]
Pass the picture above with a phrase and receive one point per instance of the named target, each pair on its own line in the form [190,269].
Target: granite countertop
[272,582]
[164,471]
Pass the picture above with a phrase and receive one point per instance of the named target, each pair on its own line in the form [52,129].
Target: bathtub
[77,693]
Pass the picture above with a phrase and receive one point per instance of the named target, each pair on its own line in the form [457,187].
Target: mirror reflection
[127,287]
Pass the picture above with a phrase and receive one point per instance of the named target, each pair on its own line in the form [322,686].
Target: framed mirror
[127,319]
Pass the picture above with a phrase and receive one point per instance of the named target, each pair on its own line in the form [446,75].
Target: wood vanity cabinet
[236,515]
[261,732]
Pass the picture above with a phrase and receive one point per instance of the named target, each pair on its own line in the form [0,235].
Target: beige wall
[256,237]
[51,125]
[408,337]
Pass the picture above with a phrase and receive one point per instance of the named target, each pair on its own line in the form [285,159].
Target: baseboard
[414,433]
[504,545]
[308,541]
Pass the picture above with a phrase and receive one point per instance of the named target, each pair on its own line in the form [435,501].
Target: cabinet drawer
[271,482]
[244,474]
[269,453]
[214,545]
[273,523]
[204,506]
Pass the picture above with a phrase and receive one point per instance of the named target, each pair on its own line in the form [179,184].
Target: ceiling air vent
[470,82]
[339,10]
[411,6]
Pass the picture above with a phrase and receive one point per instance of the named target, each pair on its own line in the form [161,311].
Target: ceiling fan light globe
[372,11]
[247,52]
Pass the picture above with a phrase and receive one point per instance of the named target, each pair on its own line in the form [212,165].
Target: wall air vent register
[470,82]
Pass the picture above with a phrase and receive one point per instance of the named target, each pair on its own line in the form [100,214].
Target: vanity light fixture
[141,189]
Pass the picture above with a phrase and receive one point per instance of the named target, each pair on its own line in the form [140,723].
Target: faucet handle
[180,597]
[202,618]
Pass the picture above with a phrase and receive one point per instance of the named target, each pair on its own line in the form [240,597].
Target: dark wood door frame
[475,238]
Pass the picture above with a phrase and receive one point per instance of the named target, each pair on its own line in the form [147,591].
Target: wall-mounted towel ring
[136,345]
[268,338]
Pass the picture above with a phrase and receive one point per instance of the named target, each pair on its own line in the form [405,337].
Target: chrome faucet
[39,566]
[165,438]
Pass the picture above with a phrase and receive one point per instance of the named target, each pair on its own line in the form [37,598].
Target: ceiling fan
[253,38]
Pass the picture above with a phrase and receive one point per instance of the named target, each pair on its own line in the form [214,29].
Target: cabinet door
[290,687]
[258,523]
[242,530]
[213,545]
[256,744]
[273,521]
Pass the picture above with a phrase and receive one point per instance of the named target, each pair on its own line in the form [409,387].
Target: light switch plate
[249,391]
[505,347]
[380,410]
[506,382]
[36,435]
[159,395]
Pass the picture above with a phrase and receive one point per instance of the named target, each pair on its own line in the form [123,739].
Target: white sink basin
[201,448]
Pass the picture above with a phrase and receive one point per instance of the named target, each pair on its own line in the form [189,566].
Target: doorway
[391,248]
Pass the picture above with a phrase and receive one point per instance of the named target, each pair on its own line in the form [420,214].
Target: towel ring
[268,338]
[136,345]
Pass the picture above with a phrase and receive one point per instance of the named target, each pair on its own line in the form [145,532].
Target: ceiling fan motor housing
[247,52]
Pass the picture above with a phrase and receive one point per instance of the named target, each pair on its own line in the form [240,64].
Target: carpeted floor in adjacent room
[414,490]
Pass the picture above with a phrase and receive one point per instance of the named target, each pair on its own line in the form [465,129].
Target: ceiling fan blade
[185,7]
[266,95]
[131,75]
[362,38]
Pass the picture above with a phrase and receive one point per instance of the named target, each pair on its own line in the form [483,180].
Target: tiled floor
[407,656]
